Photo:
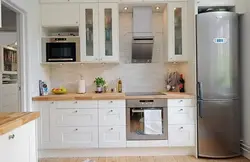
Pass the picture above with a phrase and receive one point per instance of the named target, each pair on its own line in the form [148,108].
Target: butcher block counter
[11,121]
[109,96]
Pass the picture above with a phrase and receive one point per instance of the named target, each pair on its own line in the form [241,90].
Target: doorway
[11,71]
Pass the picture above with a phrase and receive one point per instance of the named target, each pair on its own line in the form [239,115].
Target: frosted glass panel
[89,32]
[178,30]
[108,32]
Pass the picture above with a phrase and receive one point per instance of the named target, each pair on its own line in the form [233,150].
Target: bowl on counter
[59,90]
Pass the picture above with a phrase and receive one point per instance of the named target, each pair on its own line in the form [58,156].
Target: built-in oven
[61,49]
[147,119]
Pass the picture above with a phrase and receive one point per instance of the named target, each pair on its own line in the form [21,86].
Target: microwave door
[61,51]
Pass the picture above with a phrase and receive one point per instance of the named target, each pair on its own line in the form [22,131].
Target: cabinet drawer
[180,102]
[181,115]
[112,104]
[112,136]
[112,116]
[181,135]
[75,104]
[75,137]
[74,117]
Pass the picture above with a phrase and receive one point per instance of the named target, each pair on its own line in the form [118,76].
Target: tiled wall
[135,77]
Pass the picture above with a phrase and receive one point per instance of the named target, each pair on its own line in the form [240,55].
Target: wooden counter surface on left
[11,121]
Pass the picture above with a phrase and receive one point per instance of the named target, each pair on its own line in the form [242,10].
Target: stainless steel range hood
[143,41]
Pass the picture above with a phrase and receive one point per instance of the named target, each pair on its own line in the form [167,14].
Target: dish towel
[152,122]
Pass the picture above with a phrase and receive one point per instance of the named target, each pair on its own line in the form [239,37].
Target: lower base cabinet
[19,145]
[75,137]
[112,137]
[181,135]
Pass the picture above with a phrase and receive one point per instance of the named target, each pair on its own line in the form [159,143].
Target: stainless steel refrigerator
[218,85]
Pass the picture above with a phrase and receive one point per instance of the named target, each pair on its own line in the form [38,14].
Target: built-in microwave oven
[61,49]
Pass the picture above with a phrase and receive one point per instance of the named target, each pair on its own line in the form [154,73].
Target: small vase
[99,89]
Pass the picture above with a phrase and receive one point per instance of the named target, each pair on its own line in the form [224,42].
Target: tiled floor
[145,159]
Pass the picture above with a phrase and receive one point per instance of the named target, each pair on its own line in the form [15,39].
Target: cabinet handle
[52,102]
[111,110]
[76,111]
[111,128]
[11,136]
[110,101]
[75,102]
[180,101]
[76,129]
[181,110]
[181,128]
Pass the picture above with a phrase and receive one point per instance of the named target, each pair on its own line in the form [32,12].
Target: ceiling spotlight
[125,8]
[157,8]
[174,8]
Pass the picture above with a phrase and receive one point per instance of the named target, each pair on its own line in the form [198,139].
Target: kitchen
[93,124]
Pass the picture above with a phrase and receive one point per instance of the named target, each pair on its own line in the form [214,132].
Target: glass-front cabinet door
[177,32]
[109,32]
[89,32]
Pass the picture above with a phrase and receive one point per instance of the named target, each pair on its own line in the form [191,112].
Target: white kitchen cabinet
[54,1]
[112,117]
[112,104]
[19,144]
[74,117]
[112,137]
[89,29]
[60,14]
[75,137]
[75,104]
[181,115]
[181,135]
[216,2]
[180,102]
[177,32]
[0,13]
[109,32]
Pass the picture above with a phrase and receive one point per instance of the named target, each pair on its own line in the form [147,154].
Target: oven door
[146,123]
[61,52]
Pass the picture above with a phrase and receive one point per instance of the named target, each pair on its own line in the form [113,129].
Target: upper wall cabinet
[216,2]
[99,31]
[60,14]
[177,32]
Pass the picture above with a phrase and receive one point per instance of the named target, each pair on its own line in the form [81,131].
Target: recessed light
[174,8]
[157,8]
[125,8]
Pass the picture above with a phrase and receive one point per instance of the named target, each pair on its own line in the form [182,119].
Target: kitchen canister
[81,86]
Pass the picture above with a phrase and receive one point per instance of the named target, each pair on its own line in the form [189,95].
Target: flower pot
[98,89]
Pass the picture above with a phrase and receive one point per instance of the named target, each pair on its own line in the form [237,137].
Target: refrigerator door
[217,55]
[218,128]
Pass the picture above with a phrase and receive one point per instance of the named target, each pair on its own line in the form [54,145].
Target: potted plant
[100,82]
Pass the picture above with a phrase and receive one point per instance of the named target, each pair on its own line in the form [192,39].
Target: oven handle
[137,111]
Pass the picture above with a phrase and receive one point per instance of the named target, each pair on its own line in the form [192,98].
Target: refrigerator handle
[200,91]
[200,107]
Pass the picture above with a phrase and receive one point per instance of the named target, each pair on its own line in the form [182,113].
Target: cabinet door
[216,2]
[181,135]
[112,136]
[75,137]
[109,32]
[181,115]
[60,14]
[112,116]
[177,32]
[89,32]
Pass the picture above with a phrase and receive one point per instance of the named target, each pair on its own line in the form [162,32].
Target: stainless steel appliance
[61,49]
[218,85]
[146,118]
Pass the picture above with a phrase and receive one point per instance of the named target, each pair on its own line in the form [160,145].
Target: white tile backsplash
[135,77]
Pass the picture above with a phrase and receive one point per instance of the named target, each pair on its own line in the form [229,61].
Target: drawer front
[112,116]
[180,102]
[181,135]
[181,115]
[74,117]
[112,137]
[76,104]
[75,137]
[112,103]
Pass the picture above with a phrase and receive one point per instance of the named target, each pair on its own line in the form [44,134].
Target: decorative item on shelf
[100,82]
[60,90]
[182,84]
[119,85]
[105,88]
[172,81]
[43,88]
[81,85]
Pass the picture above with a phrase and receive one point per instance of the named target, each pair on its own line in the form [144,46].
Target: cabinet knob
[181,110]
[111,128]
[76,129]
[181,128]
[180,101]
[52,102]
[75,102]
[11,136]
[77,22]
[76,111]
[111,110]
[110,101]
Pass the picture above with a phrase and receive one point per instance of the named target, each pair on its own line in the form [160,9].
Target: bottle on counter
[119,86]
[182,83]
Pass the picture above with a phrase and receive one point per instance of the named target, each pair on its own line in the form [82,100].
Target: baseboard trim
[117,152]
[246,154]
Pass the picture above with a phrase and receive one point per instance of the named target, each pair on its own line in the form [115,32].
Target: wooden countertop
[109,96]
[10,121]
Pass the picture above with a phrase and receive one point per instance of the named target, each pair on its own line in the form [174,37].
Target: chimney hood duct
[143,41]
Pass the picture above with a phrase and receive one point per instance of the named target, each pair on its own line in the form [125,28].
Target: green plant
[100,82]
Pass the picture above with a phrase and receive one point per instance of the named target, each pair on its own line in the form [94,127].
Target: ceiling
[8,20]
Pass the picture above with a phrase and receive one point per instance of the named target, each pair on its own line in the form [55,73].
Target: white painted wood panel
[112,137]
[181,115]
[76,104]
[180,102]
[60,14]
[112,117]
[74,117]
[112,103]
[75,137]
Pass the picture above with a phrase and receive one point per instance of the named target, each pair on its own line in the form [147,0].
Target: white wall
[36,72]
